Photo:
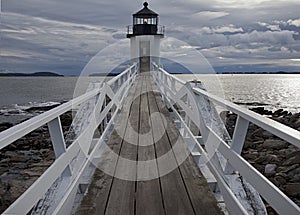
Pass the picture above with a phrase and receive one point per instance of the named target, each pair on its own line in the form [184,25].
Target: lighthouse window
[140,21]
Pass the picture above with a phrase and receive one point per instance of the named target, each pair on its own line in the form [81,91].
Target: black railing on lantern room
[145,29]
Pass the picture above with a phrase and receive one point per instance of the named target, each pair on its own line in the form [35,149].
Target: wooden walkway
[182,191]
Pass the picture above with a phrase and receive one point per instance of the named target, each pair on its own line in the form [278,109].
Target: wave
[29,109]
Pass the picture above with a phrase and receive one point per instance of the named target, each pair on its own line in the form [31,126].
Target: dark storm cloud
[56,35]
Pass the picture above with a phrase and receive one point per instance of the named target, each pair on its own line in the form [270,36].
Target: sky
[62,36]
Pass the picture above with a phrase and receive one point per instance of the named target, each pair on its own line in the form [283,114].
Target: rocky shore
[276,159]
[23,161]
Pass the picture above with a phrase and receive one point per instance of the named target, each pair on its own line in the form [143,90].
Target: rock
[265,159]
[270,169]
[259,110]
[251,155]
[267,134]
[278,112]
[259,167]
[31,173]
[20,165]
[292,189]
[4,161]
[286,152]
[11,154]
[42,108]
[5,125]
[18,159]
[275,144]
[279,180]
[293,158]
[258,132]
[294,172]
[287,169]
[296,178]
[249,144]
[297,123]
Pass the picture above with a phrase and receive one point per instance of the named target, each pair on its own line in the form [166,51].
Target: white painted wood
[16,132]
[57,137]
[279,201]
[238,139]
[65,156]
[275,197]
[32,195]
[287,133]
[58,141]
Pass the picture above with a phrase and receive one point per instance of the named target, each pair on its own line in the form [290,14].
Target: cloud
[228,29]
[65,35]
[270,26]
[209,15]
[51,42]
[295,22]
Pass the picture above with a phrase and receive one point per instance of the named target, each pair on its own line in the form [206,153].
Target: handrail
[16,132]
[160,29]
[285,132]
[65,156]
[230,151]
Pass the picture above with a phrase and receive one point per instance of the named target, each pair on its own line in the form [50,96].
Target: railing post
[58,141]
[173,87]
[119,82]
[238,139]
[164,85]
[123,79]
[105,121]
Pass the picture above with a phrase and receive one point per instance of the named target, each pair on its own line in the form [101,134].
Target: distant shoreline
[35,74]
[271,73]
[52,74]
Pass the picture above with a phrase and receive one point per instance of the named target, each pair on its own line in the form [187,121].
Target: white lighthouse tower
[145,35]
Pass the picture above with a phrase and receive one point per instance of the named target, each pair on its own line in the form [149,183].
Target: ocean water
[271,91]
[17,94]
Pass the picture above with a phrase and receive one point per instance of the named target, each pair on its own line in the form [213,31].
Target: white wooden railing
[62,170]
[218,151]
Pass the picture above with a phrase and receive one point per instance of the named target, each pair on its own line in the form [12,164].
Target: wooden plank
[175,198]
[122,196]
[197,188]
[95,200]
[182,191]
[148,198]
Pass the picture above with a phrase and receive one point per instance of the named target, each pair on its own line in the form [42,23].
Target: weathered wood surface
[168,183]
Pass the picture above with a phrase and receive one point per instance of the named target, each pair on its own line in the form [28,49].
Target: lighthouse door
[145,56]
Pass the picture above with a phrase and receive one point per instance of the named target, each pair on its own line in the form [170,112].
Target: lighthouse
[145,35]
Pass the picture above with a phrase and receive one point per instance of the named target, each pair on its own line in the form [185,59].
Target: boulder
[259,110]
[267,134]
[293,158]
[270,169]
[278,112]
[279,180]
[274,144]
[265,159]
[258,132]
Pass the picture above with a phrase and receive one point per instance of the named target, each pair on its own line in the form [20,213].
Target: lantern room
[145,22]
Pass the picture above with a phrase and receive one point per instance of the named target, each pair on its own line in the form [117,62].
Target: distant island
[35,74]
[103,74]
[279,72]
